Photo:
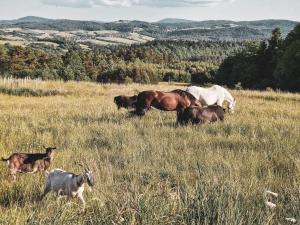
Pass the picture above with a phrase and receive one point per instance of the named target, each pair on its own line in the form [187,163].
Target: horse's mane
[185,93]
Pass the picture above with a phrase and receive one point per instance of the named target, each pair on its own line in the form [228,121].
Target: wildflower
[293,220]
[272,193]
[270,204]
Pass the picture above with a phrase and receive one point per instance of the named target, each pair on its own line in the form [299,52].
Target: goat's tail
[4,160]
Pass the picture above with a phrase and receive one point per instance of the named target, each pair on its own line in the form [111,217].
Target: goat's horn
[79,164]
[88,167]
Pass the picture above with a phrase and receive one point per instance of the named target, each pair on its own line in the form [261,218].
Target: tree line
[273,63]
[151,62]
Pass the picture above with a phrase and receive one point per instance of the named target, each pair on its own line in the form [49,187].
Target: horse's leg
[220,102]
[179,116]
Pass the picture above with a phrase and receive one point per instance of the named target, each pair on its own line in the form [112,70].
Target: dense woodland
[148,63]
[273,63]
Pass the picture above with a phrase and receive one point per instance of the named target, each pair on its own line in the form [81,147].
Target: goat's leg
[14,177]
[13,173]
[82,200]
[46,191]
[34,170]
[58,197]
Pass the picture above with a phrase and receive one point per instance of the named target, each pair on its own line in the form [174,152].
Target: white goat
[68,184]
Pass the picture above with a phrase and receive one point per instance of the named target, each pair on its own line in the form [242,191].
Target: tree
[67,73]
[292,36]
[4,59]
[287,72]
[73,61]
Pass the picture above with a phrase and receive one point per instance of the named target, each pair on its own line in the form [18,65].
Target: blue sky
[152,10]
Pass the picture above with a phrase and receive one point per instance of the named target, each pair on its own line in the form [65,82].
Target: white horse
[213,95]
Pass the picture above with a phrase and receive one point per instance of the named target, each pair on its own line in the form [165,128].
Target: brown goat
[29,163]
[125,101]
[200,115]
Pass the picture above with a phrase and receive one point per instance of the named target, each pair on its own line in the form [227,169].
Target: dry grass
[148,171]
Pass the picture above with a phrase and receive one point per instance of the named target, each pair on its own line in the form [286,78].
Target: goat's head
[49,151]
[88,175]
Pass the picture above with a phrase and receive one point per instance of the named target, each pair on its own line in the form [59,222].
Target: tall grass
[148,170]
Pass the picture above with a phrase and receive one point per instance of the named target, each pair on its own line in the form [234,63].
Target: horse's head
[231,106]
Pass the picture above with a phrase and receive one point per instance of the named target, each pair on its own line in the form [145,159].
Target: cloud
[69,3]
[128,3]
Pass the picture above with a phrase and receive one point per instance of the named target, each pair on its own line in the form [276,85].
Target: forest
[180,61]
[271,63]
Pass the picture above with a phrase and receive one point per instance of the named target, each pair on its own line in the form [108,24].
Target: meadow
[148,170]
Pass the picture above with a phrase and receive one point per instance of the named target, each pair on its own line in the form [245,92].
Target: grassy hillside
[148,171]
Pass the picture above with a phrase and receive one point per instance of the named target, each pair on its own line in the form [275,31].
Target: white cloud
[128,3]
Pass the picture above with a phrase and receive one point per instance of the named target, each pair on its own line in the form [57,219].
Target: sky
[152,10]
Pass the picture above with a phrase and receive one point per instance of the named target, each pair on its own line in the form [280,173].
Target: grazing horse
[125,101]
[167,101]
[200,115]
[213,95]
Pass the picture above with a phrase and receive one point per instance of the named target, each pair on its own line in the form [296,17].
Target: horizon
[169,18]
[152,11]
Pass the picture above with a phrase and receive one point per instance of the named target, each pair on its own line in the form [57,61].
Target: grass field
[148,171]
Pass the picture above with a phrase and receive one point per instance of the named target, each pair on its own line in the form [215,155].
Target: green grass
[148,171]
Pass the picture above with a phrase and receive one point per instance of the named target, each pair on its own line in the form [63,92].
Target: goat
[68,184]
[29,163]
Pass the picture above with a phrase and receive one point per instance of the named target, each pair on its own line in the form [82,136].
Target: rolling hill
[38,30]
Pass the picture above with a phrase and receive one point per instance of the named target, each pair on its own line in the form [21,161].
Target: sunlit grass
[148,170]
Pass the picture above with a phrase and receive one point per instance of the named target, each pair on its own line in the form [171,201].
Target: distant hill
[27,19]
[174,20]
[140,31]
[32,19]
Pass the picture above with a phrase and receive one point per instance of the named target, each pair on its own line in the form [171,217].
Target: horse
[213,95]
[200,115]
[166,101]
[125,101]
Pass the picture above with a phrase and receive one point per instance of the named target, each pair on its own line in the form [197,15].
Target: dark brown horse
[167,101]
[125,101]
[200,115]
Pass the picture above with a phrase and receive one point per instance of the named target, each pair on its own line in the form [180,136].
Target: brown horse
[167,101]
